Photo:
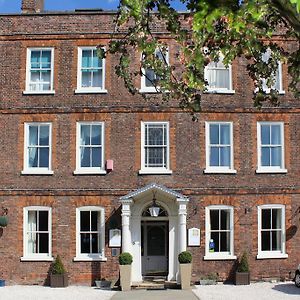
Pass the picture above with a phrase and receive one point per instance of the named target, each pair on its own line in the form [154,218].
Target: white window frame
[36,256]
[39,170]
[28,66]
[93,256]
[217,90]
[271,254]
[89,170]
[151,89]
[270,169]
[219,255]
[218,169]
[87,90]
[154,170]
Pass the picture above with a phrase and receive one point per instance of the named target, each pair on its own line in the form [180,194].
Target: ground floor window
[271,231]
[37,233]
[90,231]
[219,232]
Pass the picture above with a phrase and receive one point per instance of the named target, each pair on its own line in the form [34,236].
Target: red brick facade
[122,114]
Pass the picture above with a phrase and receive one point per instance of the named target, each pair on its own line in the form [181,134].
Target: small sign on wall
[114,238]
[194,237]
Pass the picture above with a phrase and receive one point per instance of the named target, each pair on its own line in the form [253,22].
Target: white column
[181,225]
[126,234]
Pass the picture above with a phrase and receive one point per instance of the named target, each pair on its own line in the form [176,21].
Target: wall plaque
[194,237]
[114,238]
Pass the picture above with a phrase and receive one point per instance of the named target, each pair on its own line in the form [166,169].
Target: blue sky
[14,6]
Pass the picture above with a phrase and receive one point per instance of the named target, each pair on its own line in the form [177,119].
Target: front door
[155,248]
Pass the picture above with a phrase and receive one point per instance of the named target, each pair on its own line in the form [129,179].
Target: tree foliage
[209,27]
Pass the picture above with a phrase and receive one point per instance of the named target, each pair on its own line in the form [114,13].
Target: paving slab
[153,295]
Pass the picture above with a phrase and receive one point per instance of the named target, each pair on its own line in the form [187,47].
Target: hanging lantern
[154,209]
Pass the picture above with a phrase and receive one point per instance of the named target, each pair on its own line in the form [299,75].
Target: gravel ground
[254,291]
[18,292]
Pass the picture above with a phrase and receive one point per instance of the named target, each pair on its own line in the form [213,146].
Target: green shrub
[243,266]
[58,267]
[125,258]
[185,257]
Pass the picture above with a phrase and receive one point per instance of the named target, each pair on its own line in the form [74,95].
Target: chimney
[32,6]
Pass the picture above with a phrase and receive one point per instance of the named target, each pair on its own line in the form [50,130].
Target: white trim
[28,59]
[218,169]
[151,89]
[270,169]
[88,90]
[89,170]
[219,255]
[36,170]
[271,254]
[219,91]
[38,256]
[93,256]
[154,170]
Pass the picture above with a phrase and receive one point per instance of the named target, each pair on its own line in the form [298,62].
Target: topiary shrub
[185,257]
[125,258]
[243,266]
[58,267]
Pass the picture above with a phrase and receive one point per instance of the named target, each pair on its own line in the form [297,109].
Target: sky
[14,6]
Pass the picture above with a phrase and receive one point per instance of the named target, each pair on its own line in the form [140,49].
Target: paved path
[153,295]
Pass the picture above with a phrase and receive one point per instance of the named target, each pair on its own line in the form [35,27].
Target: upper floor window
[155,148]
[149,79]
[37,233]
[271,231]
[219,147]
[90,233]
[219,77]
[219,232]
[39,70]
[37,152]
[90,148]
[91,71]
[270,144]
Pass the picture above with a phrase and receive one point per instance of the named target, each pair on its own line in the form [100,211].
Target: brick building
[82,161]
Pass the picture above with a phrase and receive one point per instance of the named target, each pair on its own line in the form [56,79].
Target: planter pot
[2,282]
[125,277]
[59,280]
[103,284]
[242,278]
[207,282]
[3,221]
[185,274]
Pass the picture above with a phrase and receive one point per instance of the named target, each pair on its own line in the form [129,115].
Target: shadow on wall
[291,231]
[1,232]
[288,288]
[231,275]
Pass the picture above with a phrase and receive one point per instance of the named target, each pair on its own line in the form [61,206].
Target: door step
[150,285]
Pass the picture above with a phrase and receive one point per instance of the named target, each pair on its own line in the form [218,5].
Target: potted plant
[4,218]
[185,266]
[209,279]
[58,274]
[242,275]
[125,261]
[103,283]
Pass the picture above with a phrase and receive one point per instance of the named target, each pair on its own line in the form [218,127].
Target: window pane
[96,135]
[266,218]
[84,221]
[215,237]
[214,219]
[149,78]
[225,242]
[32,158]
[225,156]
[43,242]
[275,135]
[85,157]
[95,243]
[214,156]
[44,135]
[86,78]
[276,218]
[35,59]
[155,156]
[225,219]
[86,58]
[32,220]
[225,134]
[43,221]
[34,77]
[214,134]
[265,241]
[94,217]
[276,240]
[155,135]
[44,157]
[85,135]
[276,156]
[222,79]
[85,243]
[32,242]
[265,156]
[46,59]
[97,78]
[265,135]
[33,135]
[96,157]
[97,62]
